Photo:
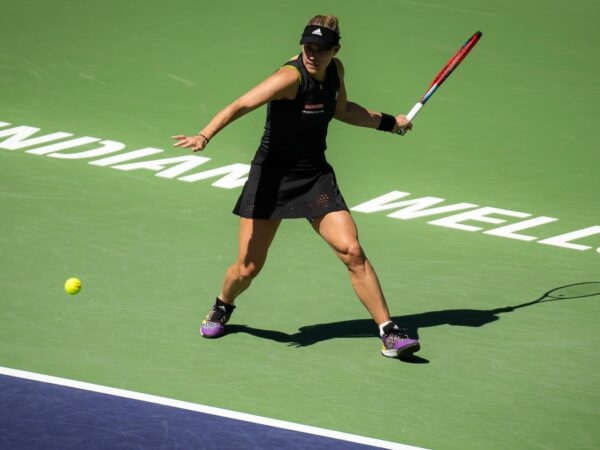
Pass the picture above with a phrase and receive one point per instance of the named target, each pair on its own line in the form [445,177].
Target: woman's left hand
[403,123]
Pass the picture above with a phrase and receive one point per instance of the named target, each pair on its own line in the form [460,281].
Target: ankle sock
[386,327]
[221,304]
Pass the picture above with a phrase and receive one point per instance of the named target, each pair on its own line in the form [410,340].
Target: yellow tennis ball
[73,286]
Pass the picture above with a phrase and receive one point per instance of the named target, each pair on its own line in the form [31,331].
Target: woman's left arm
[355,114]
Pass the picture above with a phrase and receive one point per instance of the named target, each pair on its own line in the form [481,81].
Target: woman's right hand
[196,143]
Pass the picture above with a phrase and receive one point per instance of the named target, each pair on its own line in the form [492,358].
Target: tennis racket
[442,75]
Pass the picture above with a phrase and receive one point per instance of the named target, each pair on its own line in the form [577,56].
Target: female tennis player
[291,178]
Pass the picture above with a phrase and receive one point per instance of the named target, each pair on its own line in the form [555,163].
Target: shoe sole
[406,351]
[211,336]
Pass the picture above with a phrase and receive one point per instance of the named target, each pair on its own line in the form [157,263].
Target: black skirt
[274,193]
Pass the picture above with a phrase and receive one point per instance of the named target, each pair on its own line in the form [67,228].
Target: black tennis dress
[289,176]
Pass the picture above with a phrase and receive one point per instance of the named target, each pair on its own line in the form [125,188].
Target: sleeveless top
[289,176]
[296,130]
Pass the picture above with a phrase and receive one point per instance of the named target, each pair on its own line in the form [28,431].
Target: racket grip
[414,111]
[410,116]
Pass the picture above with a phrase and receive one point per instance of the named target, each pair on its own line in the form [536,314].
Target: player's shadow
[359,328]
[312,334]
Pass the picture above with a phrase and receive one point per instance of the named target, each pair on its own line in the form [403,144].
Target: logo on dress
[313,108]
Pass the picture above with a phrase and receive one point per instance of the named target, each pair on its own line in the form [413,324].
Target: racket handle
[410,116]
[414,111]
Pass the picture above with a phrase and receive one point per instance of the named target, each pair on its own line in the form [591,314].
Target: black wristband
[388,122]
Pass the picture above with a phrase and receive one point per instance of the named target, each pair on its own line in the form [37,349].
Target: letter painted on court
[478,215]
[565,240]
[106,148]
[410,209]
[509,231]
[235,176]
[135,154]
[184,163]
[71,143]
[20,137]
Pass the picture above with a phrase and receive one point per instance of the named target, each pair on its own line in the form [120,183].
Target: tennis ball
[73,286]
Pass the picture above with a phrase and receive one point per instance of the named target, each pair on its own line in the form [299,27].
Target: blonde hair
[327,21]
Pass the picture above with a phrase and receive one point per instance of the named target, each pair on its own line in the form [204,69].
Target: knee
[353,256]
[245,272]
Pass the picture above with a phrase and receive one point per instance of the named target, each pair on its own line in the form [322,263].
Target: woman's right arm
[283,84]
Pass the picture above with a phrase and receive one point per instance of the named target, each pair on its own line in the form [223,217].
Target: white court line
[205,409]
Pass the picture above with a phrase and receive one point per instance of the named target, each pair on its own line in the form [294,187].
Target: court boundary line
[196,407]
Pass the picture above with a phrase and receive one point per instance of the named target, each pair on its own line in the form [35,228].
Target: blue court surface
[39,412]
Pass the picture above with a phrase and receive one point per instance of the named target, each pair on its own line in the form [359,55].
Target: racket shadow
[313,334]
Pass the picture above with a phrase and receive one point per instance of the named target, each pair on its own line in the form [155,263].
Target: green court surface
[514,130]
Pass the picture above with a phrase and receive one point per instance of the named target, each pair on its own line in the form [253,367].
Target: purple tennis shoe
[213,324]
[396,343]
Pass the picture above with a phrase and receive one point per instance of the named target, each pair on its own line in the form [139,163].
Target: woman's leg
[340,232]
[255,238]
